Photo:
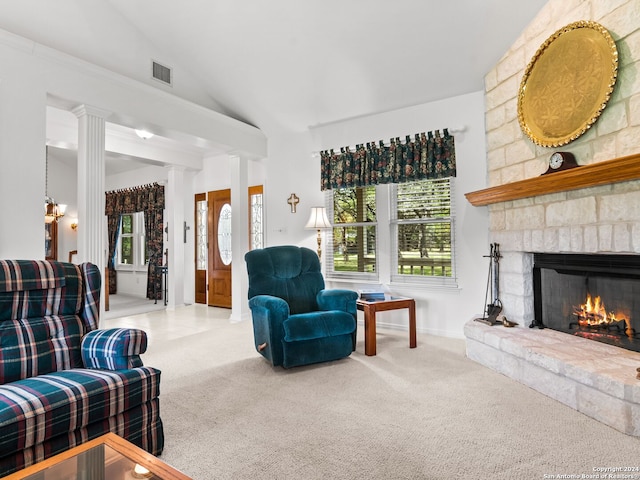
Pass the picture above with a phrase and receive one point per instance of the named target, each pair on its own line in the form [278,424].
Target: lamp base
[319,251]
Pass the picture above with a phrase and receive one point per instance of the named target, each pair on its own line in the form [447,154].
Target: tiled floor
[171,324]
[122,305]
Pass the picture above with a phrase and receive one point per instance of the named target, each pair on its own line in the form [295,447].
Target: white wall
[294,167]
[291,168]
[134,178]
[22,157]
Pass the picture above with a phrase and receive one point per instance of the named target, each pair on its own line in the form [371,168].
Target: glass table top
[106,458]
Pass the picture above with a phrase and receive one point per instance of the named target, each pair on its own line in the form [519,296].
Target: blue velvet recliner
[295,320]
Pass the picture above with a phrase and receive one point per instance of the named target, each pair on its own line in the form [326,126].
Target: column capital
[84,110]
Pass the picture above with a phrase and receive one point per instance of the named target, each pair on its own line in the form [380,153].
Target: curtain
[148,199]
[113,227]
[427,156]
[153,222]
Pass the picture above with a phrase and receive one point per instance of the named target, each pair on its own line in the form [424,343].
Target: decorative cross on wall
[293,200]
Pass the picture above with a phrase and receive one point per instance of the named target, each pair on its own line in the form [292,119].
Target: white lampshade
[318,219]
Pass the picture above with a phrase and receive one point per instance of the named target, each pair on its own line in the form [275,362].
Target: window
[353,237]
[422,230]
[417,226]
[131,241]
[256,228]
[202,240]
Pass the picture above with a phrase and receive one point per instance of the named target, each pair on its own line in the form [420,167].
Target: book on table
[371,295]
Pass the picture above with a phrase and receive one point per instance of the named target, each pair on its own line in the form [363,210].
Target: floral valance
[427,156]
[144,198]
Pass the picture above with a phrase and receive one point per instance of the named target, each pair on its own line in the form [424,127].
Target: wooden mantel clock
[561,161]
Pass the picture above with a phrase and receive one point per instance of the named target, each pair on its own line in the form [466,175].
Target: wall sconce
[318,220]
[74,225]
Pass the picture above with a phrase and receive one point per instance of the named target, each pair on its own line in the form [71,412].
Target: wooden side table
[370,308]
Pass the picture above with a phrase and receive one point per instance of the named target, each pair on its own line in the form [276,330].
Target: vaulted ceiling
[286,65]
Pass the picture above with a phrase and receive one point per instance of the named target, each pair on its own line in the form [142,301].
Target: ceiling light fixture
[143,134]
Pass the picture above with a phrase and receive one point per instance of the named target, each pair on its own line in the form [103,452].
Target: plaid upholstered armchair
[63,381]
[295,320]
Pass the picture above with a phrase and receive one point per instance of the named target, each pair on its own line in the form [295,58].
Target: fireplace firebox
[591,296]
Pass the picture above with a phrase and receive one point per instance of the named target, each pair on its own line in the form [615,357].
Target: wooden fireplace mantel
[602,173]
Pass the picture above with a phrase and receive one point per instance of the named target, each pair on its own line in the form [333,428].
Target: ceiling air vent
[161,73]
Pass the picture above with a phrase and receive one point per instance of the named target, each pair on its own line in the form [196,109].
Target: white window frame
[386,226]
[338,275]
[433,280]
[138,235]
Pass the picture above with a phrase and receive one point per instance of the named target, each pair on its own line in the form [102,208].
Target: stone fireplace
[590,210]
[561,232]
[564,237]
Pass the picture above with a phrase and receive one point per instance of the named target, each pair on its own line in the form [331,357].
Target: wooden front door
[219,248]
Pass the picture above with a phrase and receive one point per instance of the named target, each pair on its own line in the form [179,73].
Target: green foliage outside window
[424,228]
[421,216]
[354,244]
[127,250]
[131,239]
[127,224]
[126,242]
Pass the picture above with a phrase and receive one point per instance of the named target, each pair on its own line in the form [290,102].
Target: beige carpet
[424,413]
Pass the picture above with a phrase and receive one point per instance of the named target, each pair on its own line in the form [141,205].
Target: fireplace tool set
[492,310]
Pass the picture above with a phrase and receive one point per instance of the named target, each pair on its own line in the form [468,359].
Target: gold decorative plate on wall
[567,84]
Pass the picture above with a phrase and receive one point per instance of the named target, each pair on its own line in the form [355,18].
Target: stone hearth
[593,378]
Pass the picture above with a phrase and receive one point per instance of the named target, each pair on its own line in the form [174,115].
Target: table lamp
[318,220]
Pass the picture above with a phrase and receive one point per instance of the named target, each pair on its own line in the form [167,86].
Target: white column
[174,217]
[92,237]
[240,232]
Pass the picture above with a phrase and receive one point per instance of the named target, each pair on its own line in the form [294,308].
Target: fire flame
[594,313]
[598,310]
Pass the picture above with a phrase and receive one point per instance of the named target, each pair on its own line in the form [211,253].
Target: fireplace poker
[493,309]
